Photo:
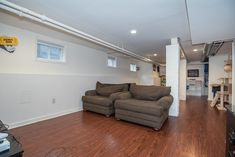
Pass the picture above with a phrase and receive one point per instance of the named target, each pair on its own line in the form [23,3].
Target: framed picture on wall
[193,73]
[162,71]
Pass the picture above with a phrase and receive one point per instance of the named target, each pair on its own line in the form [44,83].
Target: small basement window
[50,52]
[112,61]
[133,67]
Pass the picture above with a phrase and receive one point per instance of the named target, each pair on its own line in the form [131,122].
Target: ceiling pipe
[24,12]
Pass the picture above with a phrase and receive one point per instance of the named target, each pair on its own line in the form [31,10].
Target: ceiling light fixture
[133,31]
[155,54]
[195,50]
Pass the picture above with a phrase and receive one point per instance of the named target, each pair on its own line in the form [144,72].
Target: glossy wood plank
[199,131]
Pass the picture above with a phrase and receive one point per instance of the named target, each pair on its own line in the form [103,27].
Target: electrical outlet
[53,100]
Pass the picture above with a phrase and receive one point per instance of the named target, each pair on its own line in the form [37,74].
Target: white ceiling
[211,20]
[156,21]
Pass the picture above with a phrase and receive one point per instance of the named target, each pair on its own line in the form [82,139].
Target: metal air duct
[211,49]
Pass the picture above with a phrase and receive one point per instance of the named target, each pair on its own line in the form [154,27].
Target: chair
[101,100]
[145,105]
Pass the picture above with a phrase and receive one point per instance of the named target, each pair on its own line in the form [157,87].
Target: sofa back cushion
[108,89]
[149,92]
[124,85]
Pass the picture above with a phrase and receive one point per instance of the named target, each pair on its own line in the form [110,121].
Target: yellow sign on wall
[11,41]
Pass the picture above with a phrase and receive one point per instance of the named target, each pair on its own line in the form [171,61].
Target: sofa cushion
[91,92]
[149,92]
[108,90]
[99,100]
[120,95]
[141,106]
[124,85]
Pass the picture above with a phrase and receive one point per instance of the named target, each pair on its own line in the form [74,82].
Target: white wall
[183,76]
[146,76]
[29,86]
[216,71]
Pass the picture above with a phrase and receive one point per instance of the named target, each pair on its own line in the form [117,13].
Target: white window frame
[115,59]
[132,64]
[62,60]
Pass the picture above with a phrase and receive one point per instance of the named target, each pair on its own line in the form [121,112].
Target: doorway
[197,79]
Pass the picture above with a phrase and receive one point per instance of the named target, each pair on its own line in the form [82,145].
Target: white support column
[233,75]
[183,78]
[172,73]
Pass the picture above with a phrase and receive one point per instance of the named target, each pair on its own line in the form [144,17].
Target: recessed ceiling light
[195,50]
[155,54]
[133,31]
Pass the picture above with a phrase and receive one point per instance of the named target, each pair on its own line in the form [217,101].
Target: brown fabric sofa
[146,105]
[101,100]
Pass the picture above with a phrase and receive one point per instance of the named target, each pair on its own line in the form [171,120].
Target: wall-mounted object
[158,69]
[154,67]
[8,43]
[163,80]
[193,73]
[162,71]
[228,64]
[227,67]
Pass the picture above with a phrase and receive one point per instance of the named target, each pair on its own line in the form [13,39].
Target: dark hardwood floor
[199,131]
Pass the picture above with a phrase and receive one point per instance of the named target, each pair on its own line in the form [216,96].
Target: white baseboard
[44,117]
[173,112]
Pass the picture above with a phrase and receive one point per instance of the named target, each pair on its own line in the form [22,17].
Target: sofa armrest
[165,102]
[120,95]
[90,93]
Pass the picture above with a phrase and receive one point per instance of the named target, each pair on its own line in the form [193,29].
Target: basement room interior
[117,78]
